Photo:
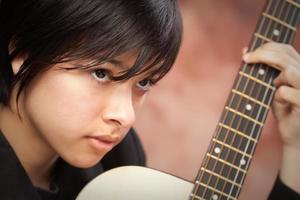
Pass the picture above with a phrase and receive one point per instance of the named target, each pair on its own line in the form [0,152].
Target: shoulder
[282,191]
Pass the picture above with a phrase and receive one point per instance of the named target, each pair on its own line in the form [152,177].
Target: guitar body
[226,163]
[136,183]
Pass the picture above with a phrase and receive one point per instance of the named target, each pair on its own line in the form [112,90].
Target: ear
[16,64]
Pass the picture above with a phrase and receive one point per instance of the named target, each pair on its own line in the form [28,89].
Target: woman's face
[82,115]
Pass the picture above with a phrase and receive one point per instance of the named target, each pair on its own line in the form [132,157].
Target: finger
[280,47]
[281,109]
[244,51]
[290,77]
[279,60]
[286,94]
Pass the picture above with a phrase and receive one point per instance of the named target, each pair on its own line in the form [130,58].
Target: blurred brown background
[182,111]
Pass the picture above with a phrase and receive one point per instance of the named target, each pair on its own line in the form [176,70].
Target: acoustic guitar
[231,149]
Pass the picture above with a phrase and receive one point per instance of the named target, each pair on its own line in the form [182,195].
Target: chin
[85,162]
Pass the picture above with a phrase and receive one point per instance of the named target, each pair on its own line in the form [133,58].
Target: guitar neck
[230,152]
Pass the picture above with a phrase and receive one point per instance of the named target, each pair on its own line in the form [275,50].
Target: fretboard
[230,152]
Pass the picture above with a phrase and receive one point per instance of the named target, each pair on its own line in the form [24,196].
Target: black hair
[55,31]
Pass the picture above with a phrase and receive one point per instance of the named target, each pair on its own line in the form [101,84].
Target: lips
[103,142]
[107,138]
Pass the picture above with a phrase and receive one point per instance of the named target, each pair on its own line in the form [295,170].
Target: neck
[35,155]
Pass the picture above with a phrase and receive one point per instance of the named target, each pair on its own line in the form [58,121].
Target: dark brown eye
[100,75]
[144,84]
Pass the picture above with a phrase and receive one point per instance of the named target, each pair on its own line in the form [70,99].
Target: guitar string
[213,146]
[248,147]
[295,21]
[239,188]
[273,37]
[254,92]
[241,100]
[240,141]
[285,39]
[246,127]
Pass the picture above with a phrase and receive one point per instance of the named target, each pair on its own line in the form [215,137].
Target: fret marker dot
[215,197]
[217,150]
[248,107]
[276,32]
[261,72]
[242,161]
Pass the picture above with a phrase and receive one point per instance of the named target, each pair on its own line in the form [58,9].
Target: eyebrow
[118,64]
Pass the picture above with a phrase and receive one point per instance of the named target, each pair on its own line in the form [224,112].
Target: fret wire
[247,164]
[232,148]
[295,22]
[244,116]
[247,81]
[238,132]
[246,148]
[232,141]
[250,98]
[255,41]
[289,14]
[273,91]
[222,167]
[284,13]
[260,87]
[280,22]
[207,160]
[274,25]
[295,11]
[225,162]
[273,6]
[254,146]
[262,37]
[270,99]
[293,3]
[277,25]
[215,190]
[220,176]
[257,80]
[237,174]
[291,9]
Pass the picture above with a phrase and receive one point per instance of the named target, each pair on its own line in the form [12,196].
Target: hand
[286,104]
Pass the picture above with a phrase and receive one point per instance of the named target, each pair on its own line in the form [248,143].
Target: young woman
[74,73]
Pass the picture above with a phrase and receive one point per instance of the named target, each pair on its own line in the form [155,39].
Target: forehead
[125,61]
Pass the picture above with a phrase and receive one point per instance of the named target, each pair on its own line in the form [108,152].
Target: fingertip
[275,82]
[246,57]
[244,50]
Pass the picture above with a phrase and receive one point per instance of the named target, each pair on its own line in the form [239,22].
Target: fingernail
[245,49]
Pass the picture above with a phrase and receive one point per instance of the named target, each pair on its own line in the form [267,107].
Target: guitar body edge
[136,183]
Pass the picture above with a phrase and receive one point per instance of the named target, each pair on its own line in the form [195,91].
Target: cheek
[63,103]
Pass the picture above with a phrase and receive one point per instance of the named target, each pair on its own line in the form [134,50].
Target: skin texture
[62,109]
[286,105]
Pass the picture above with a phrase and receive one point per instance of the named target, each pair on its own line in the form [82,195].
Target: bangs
[155,35]
[53,32]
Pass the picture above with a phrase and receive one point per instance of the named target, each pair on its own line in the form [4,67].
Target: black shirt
[68,181]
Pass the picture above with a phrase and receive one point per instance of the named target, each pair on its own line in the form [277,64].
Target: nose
[119,109]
